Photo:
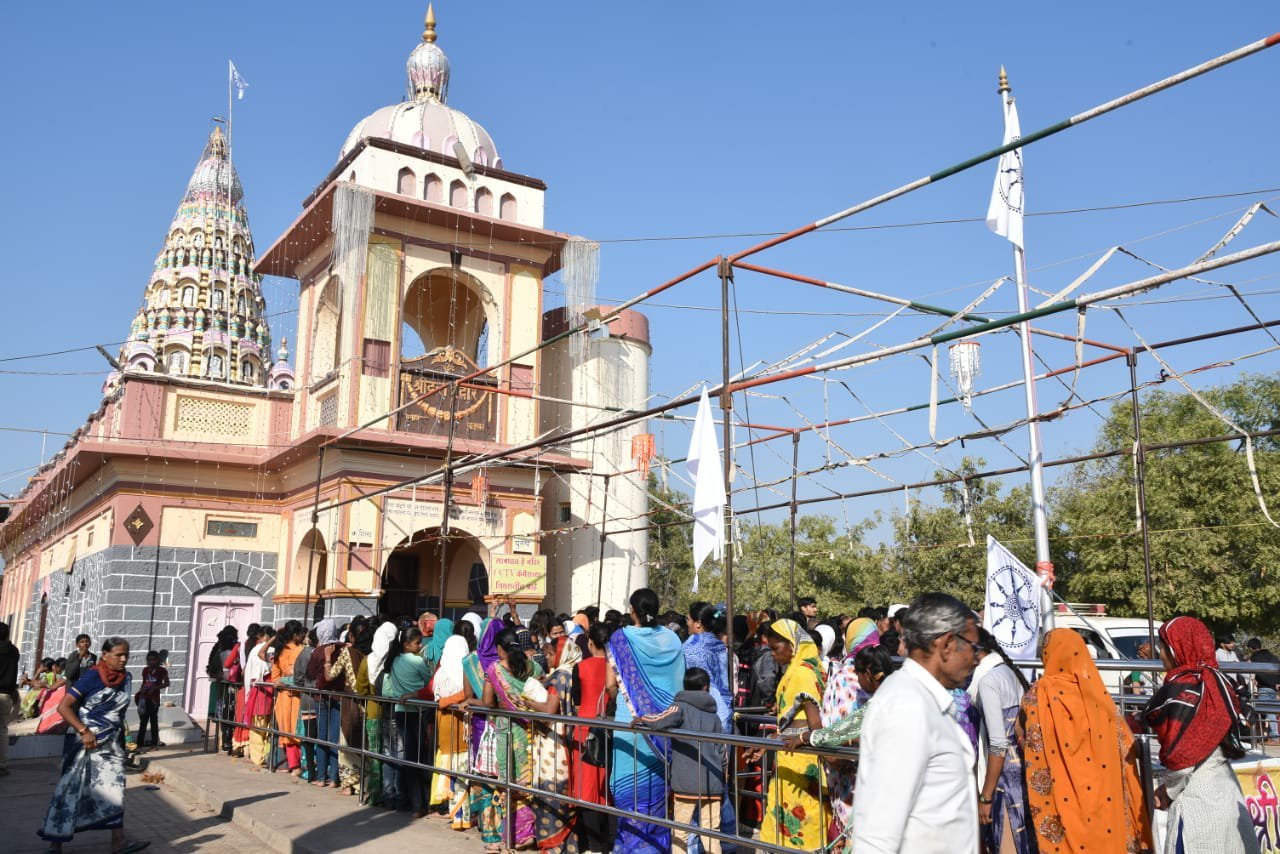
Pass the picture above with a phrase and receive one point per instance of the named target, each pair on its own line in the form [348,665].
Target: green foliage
[1212,551]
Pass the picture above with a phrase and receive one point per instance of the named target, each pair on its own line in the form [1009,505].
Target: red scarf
[1196,710]
[111,678]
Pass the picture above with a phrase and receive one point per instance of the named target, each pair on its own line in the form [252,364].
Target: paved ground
[292,816]
[155,812]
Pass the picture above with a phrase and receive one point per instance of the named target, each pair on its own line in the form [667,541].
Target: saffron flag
[1004,213]
[236,80]
[1012,612]
[705,468]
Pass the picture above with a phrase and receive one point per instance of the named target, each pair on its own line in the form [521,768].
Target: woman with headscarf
[551,756]
[306,705]
[367,684]
[487,803]
[1196,717]
[512,684]
[843,695]
[433,648]
[449,688]
[794,815]
[646,670]
[328,709]
[1083,787]
[288,644]
[996,689]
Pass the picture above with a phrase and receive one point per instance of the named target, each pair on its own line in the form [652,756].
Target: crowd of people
[955,749]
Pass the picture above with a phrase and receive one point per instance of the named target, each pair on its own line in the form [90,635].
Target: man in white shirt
[916,790]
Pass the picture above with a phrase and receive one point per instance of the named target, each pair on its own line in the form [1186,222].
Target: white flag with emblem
[236,80]
[1004,214]
[704,467]
[1012,612]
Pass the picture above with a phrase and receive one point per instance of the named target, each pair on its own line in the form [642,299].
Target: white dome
[427,124]
[424,121]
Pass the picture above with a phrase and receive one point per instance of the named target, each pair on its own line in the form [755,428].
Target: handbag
[487,752]
[596,748]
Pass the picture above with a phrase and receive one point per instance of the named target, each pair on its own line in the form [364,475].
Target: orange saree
[1083,785]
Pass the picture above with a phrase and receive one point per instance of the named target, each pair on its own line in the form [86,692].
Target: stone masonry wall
[110,593]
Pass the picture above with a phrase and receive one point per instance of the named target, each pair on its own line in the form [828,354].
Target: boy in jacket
[697,767]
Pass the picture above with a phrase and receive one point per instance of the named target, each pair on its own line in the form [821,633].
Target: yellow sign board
[1258,781]
[518,575]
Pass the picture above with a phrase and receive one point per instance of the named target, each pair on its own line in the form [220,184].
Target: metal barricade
[745,782]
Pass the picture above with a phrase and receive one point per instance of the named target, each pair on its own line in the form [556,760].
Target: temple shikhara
[217,483]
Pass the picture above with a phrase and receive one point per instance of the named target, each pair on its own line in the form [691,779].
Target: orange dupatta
[1083,786]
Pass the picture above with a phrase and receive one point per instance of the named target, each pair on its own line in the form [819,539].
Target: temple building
[217,485]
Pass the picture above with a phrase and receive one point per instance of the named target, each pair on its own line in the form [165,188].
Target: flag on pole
[1012,612]
[237,81]
[1004,214]
[705,468]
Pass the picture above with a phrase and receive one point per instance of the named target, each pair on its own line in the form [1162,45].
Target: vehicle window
[1096,649]
[1128,644]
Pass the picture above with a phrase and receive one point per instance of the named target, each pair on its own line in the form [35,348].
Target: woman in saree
[843,696]
[449,688]
[645,673]
[511,683]
[1083,787]
[1196,717]
[223,670]
[552,744]
[794,814]
[90,793]
[382,632]
[997,688]
[589,701]
[488,806]
[346,669]
[288,644]
[259,697]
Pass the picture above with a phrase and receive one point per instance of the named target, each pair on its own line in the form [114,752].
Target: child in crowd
[697,767]
[155,678]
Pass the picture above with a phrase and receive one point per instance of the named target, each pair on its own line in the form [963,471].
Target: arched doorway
[312,563]
[411,576]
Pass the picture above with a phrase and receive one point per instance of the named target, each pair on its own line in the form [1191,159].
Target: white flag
[1012,612]
[705,468]
[1004,214]
[237,81]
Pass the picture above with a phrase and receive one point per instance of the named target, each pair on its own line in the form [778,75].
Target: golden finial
[217,143]
[1004,82]
[429,33]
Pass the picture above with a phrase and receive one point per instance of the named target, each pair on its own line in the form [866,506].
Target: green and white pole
[1078,119]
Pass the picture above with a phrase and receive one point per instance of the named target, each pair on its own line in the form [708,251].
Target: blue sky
[667,120]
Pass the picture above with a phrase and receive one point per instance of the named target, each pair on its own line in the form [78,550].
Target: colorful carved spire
[204,273]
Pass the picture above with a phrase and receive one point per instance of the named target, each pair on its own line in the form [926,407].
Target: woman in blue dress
[90,793]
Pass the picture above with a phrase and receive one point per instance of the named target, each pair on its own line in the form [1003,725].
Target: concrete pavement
[172,823]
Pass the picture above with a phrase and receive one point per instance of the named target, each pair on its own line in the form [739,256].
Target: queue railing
[750,761]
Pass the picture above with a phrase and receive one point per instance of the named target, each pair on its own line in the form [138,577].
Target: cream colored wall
[380,170]
[184,527]
[91,536]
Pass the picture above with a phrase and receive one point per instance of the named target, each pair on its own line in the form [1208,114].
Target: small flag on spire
[237,81]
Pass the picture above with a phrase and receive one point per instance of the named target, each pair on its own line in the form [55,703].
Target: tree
[1212,551]
[944,547]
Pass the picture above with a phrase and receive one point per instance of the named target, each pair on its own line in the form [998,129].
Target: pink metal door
[208,617]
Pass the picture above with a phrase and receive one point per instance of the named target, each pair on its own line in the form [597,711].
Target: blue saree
[650,667]
[90,792]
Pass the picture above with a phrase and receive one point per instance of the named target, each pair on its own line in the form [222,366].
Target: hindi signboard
[518,575]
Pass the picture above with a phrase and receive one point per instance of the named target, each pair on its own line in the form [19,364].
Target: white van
[1108,638]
